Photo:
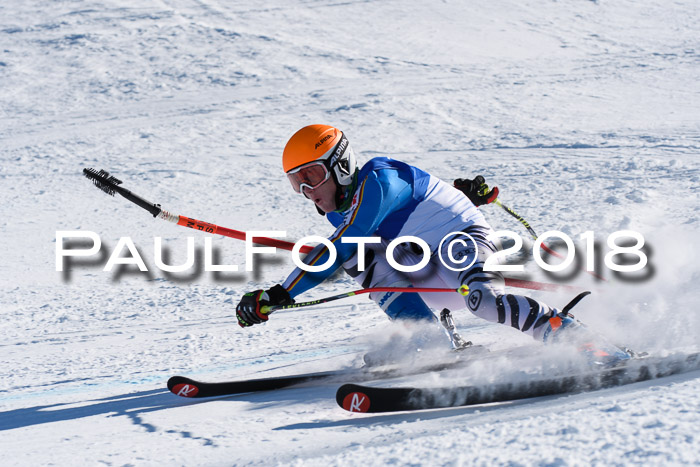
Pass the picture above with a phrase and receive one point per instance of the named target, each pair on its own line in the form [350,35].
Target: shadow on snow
[131,405]
[135,405]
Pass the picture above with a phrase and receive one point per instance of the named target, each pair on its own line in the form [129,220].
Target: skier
[390,199]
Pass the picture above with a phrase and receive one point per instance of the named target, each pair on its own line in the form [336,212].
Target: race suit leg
[379,273]
[487,298]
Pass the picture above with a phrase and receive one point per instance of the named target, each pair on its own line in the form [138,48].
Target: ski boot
[563,328]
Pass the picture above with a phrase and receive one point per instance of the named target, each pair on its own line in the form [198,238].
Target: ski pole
[463,290]
[111,185]
[535,236]
[517,216]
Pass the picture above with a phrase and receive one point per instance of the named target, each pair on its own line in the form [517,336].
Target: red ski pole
[111,185]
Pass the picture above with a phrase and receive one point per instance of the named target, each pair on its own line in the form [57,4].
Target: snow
[584,113]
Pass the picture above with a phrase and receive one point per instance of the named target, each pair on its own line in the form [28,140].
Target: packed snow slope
[584,113]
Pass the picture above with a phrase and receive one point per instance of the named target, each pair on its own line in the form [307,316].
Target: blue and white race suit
[394,199]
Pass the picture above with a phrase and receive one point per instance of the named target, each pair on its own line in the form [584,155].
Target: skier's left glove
[249,310]
[477,190]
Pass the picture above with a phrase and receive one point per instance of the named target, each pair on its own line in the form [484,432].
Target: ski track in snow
[584,113]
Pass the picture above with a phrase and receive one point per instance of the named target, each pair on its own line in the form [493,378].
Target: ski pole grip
[136,199]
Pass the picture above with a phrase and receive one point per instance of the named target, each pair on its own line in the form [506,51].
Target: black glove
[477,190]
[249,310]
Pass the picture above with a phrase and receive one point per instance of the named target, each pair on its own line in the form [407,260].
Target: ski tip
[353,398]
[184,387]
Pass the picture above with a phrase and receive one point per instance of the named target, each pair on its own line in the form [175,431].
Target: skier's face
[323,195]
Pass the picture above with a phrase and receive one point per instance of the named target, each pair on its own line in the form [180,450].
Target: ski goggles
[310,176]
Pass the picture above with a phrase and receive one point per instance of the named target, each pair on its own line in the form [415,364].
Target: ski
[188,387]
[366,399]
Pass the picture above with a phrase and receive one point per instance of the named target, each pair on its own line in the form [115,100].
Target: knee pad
[482,300]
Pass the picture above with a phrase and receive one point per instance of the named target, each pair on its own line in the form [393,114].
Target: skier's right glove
[249,309]
[477,190]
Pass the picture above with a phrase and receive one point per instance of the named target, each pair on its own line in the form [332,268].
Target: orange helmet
[321,143]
